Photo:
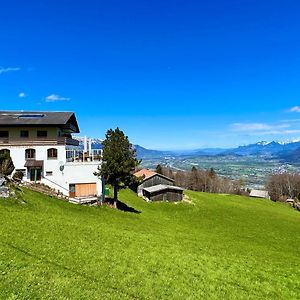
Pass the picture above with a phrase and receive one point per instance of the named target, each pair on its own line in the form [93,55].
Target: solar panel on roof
[31,116]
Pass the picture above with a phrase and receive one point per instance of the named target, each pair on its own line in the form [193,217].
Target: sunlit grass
[218,247]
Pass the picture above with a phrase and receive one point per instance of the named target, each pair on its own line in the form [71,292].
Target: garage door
[85,189]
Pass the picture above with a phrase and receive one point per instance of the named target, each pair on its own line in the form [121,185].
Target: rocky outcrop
[4,191]
[2,181]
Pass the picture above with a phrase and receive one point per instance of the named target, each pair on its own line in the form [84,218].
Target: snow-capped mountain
[96,143]
[286,150]
[273,148]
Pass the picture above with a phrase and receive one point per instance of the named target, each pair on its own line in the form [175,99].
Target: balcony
[42,141]
[68,141]
[79,156]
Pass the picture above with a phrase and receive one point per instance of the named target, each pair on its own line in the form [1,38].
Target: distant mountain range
[96,143]
[266,148]
[286,151]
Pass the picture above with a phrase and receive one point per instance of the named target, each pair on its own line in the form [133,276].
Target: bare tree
[204,181]
[283,186]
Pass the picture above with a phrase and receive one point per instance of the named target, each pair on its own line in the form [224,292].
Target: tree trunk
[116,193]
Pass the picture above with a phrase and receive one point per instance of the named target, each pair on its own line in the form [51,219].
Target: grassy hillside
[218,247]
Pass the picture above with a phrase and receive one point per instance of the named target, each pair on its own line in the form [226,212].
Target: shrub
[18,175]
[6,165]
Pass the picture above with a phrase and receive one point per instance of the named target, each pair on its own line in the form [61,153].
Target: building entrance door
[35,174]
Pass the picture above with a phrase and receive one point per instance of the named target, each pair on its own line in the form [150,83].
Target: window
[30,154]
[4,151]
[52,153]
[24,134]
[49,173]
[3,134]
[42,133]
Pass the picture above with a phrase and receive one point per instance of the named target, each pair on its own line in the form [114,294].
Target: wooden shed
[151,178]
[163,192]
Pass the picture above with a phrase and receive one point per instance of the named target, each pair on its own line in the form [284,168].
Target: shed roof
[40,118]
[146,174]
[162,187]
[259,194]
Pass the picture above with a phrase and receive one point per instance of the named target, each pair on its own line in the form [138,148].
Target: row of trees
[203,180]
[284,186]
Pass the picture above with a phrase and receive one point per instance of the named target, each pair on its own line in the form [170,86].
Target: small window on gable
[30,154]
[42,133]
[49,173]
[52,153]
[4,134]
[24,133]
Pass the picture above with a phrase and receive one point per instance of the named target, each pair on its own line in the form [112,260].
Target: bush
[18,175]
[6,165]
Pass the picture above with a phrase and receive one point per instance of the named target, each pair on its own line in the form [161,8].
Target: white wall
[60,180]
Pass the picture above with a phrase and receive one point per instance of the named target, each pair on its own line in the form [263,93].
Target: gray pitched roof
[40,118]
[162,187]
[259,194]
[147,174]
[160,175]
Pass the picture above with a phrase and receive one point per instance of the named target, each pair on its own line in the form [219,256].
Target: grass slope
[219,247]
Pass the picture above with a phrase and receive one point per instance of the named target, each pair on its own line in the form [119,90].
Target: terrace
[80,156]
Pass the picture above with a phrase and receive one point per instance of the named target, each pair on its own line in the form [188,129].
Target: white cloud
[276,132]
[8,69]
[290,121]
[250,126]
[295,109]
[55,98]
[256,126]
[262,129]
[22,95]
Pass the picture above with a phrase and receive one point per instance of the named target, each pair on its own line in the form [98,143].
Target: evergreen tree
[194,179]
[159,169]
[119,160]
[212,173]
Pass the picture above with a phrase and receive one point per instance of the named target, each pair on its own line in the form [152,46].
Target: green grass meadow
[218,247]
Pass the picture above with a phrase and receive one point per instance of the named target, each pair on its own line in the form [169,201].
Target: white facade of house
[41,146]
[58,173]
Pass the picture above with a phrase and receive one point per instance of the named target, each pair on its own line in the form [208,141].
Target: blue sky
[171,74]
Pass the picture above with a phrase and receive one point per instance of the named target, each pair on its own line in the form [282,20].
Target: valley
[252,164]
[253,170]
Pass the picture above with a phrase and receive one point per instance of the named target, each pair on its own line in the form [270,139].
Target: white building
[259,194]
[41,146]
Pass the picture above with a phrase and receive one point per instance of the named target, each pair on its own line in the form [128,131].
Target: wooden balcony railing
[38,141]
